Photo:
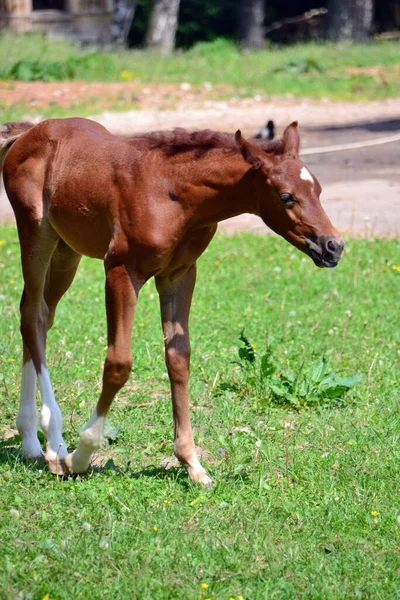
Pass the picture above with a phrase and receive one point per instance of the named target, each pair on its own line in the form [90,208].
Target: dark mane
[180,140]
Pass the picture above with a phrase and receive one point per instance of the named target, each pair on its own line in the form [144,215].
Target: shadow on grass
[10,454]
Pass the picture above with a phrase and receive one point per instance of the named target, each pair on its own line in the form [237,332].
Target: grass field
[304,503]
[339,72]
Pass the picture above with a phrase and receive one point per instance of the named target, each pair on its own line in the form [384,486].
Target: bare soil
[361,188]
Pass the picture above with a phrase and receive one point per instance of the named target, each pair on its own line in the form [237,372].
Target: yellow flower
[127,75]
[168,502]
[155,528]
[46,597]
[350,443]
[240,597]
[2,242]
[396,268]
[12,281]
[374,513]
[253,346]
[204,586]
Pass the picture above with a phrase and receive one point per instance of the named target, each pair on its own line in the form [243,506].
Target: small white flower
[89,342]
[164,376]
[185,87]
[258,444]
[103,544]
[277,269]
[86,526]
[348,313]
[289,425]
[331,332]
[2,297]
[292,313]
[324,454]
[68,354]
[14,512]
[398,519]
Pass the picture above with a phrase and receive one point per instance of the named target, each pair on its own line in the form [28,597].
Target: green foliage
[74,67]
[299,66]
[305,70]
[264,377]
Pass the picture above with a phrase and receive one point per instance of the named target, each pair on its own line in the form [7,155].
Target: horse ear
[291,138]
[250,152]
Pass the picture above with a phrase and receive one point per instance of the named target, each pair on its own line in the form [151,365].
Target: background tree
[163,24]
[349,19]
[251,24]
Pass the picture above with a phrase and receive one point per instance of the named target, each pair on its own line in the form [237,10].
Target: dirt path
[361,188]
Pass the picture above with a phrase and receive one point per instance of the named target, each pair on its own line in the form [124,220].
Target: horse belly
[82,225]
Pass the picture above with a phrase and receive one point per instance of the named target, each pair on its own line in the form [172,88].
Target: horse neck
[216,186]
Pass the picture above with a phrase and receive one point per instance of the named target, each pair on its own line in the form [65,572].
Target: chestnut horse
[148,206]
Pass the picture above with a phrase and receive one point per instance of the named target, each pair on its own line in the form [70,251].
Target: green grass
[313,70]
[292,512]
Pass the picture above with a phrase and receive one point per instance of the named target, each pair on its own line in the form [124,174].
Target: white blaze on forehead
[306,175]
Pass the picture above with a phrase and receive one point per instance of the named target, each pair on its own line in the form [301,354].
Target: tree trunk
[123,14]
[163,24]
[251,21]
[349,19]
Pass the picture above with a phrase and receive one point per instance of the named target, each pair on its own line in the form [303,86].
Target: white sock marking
[27,419]
[51,419]
[306,175]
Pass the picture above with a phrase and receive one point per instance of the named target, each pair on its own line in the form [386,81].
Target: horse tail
[9,133]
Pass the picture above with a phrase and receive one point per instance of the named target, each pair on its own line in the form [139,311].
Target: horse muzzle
[326,251]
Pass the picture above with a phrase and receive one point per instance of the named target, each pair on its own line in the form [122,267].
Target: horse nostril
[331,245]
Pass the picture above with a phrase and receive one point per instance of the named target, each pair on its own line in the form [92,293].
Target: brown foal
[147,206]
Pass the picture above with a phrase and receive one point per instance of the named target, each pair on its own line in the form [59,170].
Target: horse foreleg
[175,300]
[121,295]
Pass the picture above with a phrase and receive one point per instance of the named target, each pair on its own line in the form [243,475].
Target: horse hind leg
[60,275]
[38,243]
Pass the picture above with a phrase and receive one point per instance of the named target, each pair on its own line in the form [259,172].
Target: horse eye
[287,198]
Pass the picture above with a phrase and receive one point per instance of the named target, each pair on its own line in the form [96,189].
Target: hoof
[32,450]
[56,461]
[57,467]
[200,476]
[206,481]
[75,466]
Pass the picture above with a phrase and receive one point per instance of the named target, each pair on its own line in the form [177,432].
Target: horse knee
[178,364]
[116,372]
